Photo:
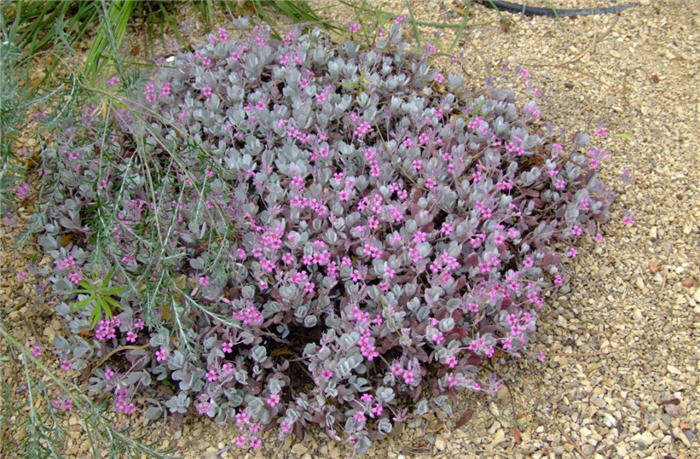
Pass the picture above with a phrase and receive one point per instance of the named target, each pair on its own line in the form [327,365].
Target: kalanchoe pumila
[330,233]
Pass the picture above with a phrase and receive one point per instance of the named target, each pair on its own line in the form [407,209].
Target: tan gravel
[621,374]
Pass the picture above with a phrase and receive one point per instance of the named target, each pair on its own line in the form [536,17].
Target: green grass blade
[416,32]
[111,32]
[462,24]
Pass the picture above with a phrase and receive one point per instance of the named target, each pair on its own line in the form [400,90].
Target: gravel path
[621,374]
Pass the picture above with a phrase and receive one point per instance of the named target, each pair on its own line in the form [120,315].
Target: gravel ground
[621,374]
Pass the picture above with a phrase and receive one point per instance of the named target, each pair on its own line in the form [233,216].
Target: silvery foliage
[201,175]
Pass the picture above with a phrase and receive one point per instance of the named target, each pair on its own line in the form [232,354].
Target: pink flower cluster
[363,129]
[249,316]
[250,437]
[106,329]
[407,374]
[65,404]
[123,403]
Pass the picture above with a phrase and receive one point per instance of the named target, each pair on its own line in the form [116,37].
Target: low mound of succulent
[289,232]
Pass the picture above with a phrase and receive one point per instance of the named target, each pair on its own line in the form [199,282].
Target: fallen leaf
[654,267]
[689,282]
[654,79]
[283,351]
[465,417]
[684,425]
[516,431]
[85,333]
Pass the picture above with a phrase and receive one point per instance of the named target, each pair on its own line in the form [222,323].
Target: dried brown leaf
[654,267]
[464,418]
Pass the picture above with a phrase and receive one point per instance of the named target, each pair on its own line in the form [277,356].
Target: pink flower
[273,400]
[165,89]
[37,351]
[541,357]
[327,374]
[75,277]
[628,219]
[241,441]
[109,374]
[255,442]
[21,275]
[356,276]
[161,355]
[360,417]
[439,78]
[355,27]
[572,252]
[242,418]
[203,407]
[23,189]
[446,229]
[66,365]
[222,34]
[286,427]
[451,381]
[211,375]
[206,92]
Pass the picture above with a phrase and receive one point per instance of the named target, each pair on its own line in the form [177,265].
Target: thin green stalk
[462,24]
[416,32]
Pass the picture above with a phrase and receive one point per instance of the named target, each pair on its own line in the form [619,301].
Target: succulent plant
[309,233]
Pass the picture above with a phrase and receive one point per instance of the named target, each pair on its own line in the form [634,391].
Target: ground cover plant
[285,233]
